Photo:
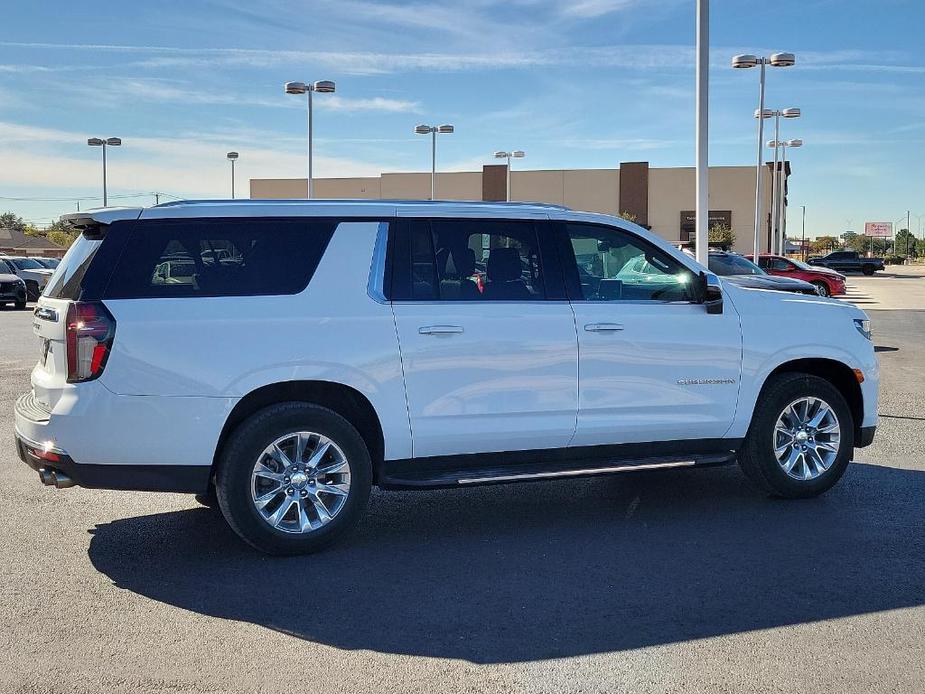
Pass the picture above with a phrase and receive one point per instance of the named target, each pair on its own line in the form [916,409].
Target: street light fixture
[232,156]
[432,130]
[515,154]
[746,61]
[781,232]
[322,87]
[108,142]
[790,112]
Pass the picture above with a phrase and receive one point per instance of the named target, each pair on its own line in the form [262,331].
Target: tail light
[90,329]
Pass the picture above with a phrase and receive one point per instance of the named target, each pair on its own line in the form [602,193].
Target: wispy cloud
[194,165]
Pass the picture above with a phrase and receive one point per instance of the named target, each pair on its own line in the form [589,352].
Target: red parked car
[827,282]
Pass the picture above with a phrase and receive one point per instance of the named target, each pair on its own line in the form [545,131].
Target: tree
[905,243]
[11,220]
[823,244]
[721,235]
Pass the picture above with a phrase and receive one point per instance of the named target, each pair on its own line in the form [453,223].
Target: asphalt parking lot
[651,582]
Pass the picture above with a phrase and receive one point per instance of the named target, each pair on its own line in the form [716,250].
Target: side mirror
[711,292]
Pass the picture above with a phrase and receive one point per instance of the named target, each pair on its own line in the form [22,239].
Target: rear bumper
[865,437]
[193,479]
[105,441]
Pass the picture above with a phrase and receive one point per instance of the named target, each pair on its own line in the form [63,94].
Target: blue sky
[576,84]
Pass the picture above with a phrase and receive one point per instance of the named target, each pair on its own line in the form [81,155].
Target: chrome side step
[587,472]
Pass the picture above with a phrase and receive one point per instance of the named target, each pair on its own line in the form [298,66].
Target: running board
[431,473]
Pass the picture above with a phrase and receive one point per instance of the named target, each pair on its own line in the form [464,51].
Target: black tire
[868,269]
[244,447]
[32,290]
[756,456]
[822,289]
[20,305]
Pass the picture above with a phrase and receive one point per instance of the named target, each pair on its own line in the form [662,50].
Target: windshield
[725,265]
[27,264]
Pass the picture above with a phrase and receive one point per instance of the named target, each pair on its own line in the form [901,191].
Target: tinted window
[66,282]
[729,264]
[26,264]
[781,265]
[219,257]
[614,265]
[472,260]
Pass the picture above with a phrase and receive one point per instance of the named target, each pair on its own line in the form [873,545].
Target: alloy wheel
[806,438]
[300,482]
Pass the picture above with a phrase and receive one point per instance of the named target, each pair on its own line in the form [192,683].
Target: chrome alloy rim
[300,482]
[806,438]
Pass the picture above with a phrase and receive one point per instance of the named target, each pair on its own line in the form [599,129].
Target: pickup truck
[847,261]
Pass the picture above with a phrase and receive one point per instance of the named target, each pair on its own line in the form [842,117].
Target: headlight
[863,326]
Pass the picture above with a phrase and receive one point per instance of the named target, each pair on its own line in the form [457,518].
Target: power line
[82,199]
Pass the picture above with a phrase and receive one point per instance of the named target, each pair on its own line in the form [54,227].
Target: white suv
[281,357]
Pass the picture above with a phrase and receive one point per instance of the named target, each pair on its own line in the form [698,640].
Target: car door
[487,338]
[653,364]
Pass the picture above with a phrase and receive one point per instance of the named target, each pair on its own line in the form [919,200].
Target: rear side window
[468,260]
[69,275]
[220,257]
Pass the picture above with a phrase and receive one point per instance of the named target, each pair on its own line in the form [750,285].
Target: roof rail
[359,201]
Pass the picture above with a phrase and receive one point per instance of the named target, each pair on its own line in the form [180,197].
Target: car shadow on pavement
[549,570]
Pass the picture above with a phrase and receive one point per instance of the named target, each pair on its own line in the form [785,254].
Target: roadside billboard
[878,229]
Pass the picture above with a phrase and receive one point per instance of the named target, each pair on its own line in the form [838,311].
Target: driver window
[781,265]
[614,265]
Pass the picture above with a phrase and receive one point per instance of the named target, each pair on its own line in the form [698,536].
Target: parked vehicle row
[411,345]
[31,271]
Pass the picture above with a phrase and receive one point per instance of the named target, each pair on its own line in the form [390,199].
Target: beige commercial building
[659,198]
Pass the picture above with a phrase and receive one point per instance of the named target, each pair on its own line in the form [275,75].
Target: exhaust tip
[62,481]
[55,478]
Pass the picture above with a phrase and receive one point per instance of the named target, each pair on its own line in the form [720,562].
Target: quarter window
[613,265]
[220,257]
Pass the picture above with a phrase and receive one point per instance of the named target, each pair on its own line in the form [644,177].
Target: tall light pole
[108,142]
[781,211]
[322,87]
[232,156]
[749,61]
[516,154]
[702,205]
[432,130]
[803,237]
[776,115]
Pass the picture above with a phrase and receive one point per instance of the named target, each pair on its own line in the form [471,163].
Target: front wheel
[32,290]
[868,270]
[293,478]
[822,289]
[801,437]
[20,305]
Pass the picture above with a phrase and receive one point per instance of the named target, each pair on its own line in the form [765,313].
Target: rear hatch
[50,375]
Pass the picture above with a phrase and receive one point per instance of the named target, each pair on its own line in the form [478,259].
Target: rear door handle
[440,329]
[603,327]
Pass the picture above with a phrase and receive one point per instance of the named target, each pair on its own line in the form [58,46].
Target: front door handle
[440,329]
[603,327]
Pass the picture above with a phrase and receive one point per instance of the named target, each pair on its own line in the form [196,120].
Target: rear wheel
[822,289]
[801,437]
[868,269]
[293,478]
[20,305]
